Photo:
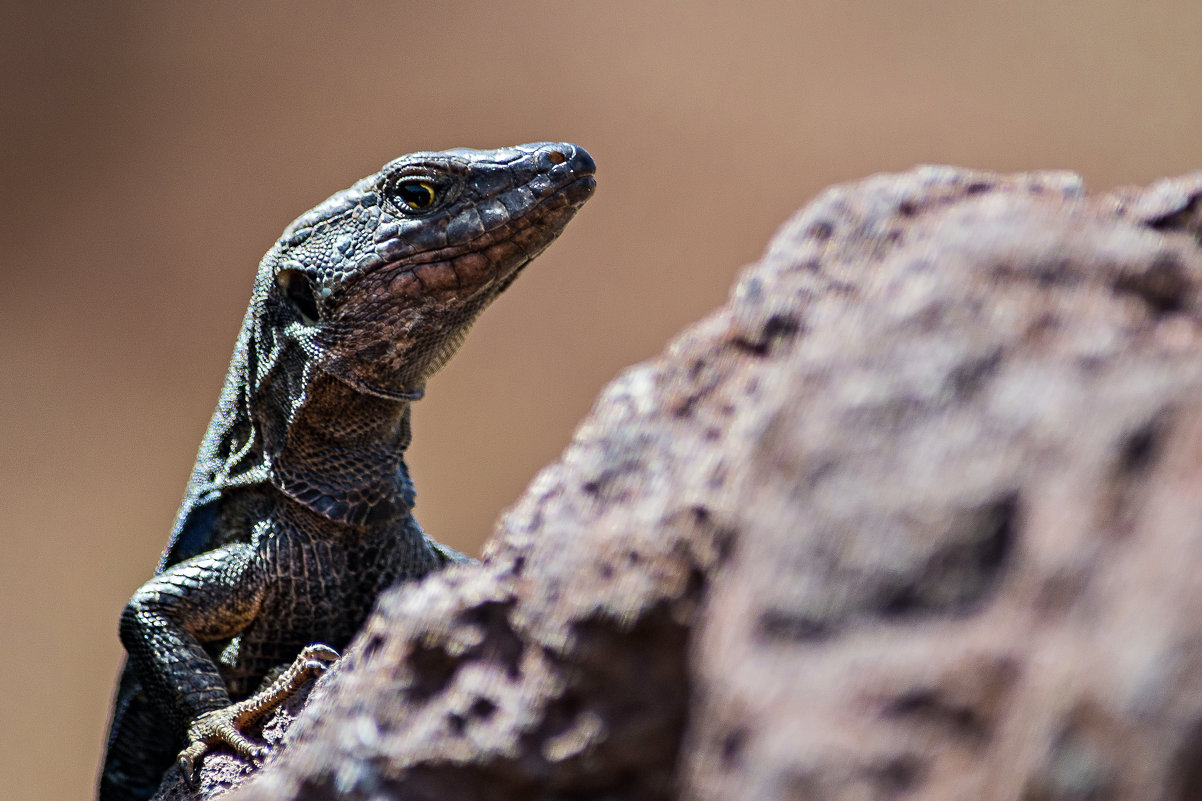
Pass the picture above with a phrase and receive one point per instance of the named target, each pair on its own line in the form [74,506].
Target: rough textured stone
[917,514]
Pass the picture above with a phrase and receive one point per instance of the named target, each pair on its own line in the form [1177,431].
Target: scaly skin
[298,512]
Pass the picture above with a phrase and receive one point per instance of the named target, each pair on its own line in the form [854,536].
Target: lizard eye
[296,287]
[415,195]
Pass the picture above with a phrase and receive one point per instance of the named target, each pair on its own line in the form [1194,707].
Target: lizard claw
[213,728]
[186,762]
[224,725]
[318,657]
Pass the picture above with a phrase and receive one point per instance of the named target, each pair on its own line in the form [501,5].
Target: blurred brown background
[152,152]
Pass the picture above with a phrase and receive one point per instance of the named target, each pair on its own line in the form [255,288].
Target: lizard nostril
[556,157]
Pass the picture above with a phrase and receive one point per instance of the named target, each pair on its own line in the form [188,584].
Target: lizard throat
[400,395]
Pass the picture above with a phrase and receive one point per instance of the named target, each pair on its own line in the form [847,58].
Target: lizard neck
[341,454]
[337,452]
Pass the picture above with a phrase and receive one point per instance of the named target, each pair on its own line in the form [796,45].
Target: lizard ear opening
[296,287]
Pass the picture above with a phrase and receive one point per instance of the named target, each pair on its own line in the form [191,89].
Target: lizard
[298,512]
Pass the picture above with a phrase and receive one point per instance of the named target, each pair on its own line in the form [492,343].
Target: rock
[917,514]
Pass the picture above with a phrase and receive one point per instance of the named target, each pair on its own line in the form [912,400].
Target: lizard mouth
[560,181]
[565,200]
[459,270]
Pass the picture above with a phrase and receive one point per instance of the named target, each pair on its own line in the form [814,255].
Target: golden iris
[417,195]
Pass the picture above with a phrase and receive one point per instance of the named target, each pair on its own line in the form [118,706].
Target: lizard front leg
[210,597]
[223,725]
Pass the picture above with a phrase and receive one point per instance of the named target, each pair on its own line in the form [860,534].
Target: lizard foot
[224,725]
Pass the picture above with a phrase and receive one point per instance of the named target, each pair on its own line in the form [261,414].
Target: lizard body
[298,511]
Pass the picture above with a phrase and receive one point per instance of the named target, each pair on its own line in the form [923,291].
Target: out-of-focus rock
[917,514]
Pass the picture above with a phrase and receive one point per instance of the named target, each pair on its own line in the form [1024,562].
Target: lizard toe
[217,727]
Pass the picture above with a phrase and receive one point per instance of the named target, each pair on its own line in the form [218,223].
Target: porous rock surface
[916,515]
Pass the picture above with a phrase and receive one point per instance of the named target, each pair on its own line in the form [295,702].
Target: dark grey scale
[310,584]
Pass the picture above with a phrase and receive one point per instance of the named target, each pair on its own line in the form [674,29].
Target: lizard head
[379,285]
[357,304]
